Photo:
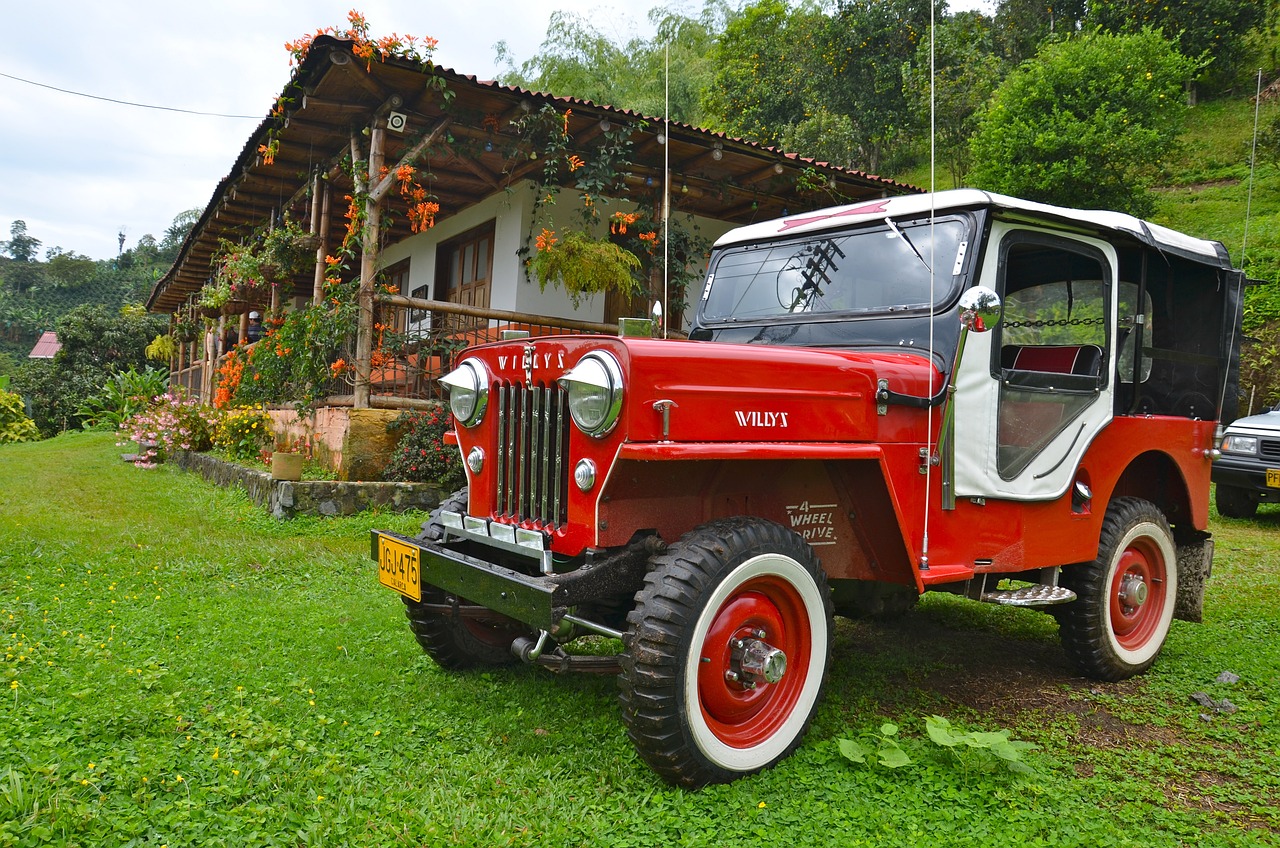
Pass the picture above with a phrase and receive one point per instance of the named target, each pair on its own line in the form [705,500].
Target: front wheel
[1234,502]
[727,652]
[454,632]
[1125,598]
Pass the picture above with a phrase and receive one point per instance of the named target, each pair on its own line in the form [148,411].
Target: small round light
[595,393]
[475,460]
[468,387]
[584,474]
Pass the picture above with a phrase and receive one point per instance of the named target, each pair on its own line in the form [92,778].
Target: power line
[129,103]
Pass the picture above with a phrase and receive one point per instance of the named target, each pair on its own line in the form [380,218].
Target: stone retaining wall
[321,497]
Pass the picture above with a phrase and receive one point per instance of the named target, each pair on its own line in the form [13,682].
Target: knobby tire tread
[1083,623]
[445,639]
[660,628]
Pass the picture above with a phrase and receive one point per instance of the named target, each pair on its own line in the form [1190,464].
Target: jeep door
[1032,394]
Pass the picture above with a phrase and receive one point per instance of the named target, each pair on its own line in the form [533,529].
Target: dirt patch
[1194,187]
[1008,679]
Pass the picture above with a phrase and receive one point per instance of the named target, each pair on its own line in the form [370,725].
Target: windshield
[879,269]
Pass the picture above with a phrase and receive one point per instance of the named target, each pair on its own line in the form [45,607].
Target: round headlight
[595,393]
[468,387]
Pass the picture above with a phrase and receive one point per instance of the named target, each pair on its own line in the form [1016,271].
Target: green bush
[421,455]
[1086,123]
[15,426]
[244,433]
[123,396]
[97,342]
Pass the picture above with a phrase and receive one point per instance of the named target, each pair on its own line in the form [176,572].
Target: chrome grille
[533,447]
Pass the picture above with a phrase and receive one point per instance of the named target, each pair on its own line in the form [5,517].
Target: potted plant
[286,251]
[213,296]
[288,458]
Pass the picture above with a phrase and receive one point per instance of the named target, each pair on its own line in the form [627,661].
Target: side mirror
[980,309]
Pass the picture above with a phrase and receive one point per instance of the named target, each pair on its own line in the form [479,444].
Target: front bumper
[524,597]
[540,601]
[1248,474]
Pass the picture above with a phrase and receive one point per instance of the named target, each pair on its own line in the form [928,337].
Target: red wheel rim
[743,717]
[1133,622]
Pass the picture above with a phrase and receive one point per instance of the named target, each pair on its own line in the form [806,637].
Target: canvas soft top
[1162,238]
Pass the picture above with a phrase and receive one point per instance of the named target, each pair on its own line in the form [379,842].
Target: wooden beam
[311,100]
[775,169]
[378,192]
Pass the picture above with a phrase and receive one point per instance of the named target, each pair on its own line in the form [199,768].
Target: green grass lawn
[180,669]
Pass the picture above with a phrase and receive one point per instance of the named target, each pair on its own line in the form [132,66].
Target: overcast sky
[79,171]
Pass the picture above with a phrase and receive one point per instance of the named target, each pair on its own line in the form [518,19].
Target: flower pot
[286,466]
[235,306]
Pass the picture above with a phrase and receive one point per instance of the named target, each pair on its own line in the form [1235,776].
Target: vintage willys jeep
[959,392]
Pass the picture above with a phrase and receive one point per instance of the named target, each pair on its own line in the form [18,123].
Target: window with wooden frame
[464,270]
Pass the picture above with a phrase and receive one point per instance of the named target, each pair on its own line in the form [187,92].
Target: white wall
[511,288]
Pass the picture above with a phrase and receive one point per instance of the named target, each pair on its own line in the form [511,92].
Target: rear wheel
[1234,502]
[454,632]
[727,652]
[1125,598]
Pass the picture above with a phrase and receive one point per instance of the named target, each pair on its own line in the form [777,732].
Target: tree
[70,269]
[966,72]
[763,61]
[24,272]
[1085,123]
[1213,30]
[863,48]
[1021,26]
[577,60]
[21,246]
[97,342]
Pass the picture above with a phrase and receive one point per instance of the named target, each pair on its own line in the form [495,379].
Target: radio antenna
[929,441]
[666,183]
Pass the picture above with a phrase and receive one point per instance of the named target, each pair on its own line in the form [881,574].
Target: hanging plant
[185,328]
[214,295]
[583,265]
[162,348]
[286,251]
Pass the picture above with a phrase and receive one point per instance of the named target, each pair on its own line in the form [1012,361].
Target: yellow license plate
[398,567]
[1273,478]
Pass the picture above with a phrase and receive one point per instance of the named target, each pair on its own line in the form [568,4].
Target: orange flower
[621,220]
[338,367]
[404,173]
[575,163]
[567,113]
[649,237]
[546,239]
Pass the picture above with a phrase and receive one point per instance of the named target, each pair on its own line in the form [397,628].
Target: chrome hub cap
[1133,592]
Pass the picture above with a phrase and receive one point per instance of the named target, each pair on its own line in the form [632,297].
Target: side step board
[1043,590]
[1037,595]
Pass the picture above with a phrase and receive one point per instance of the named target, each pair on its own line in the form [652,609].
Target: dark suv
[1248,472]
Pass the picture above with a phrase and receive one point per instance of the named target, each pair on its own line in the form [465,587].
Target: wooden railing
[422,338]
[418,345]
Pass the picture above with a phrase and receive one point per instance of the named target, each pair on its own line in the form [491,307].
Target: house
[46,347]
[449,188]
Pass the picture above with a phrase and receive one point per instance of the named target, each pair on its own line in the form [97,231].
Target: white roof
[1163,238]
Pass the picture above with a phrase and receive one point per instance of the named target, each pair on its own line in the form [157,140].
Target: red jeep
[958,392]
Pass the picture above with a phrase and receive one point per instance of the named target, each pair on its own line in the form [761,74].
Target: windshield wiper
[900,234]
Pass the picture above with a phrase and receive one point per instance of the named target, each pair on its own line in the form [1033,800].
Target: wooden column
[322,194]
[368,268]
